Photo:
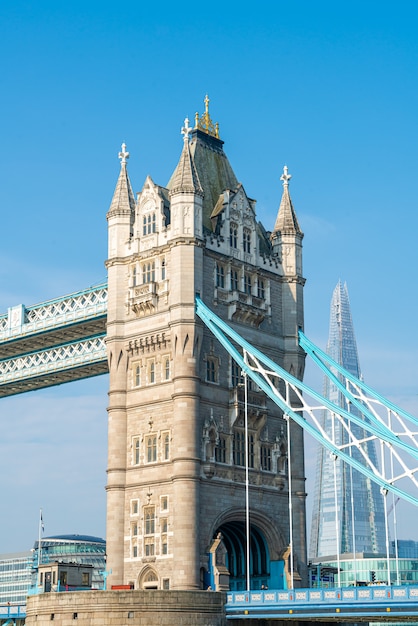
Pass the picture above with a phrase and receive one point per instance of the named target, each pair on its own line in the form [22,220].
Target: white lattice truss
[374,418]
[53,360]
[68,309]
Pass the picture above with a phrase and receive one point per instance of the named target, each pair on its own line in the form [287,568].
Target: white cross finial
[285,177]
[123,155]
[186,130]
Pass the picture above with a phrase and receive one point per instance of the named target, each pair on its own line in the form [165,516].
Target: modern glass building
[15,577]
[407,548]
[365,569]
[18,570]
[351,518]
[81,549]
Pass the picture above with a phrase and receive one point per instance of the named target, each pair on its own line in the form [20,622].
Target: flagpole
[41,523]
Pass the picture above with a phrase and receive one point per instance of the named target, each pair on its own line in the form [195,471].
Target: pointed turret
[185,178]
[186,193]
[286,221]
[123,200]
[121,212]
[286,240]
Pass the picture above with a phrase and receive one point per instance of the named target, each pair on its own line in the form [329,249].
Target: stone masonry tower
[176,462]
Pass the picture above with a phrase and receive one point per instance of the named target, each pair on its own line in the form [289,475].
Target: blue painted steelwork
[53,342]
[11,612]
[71,354]
[70,309]
[385,603]
[264,372]
[321,358]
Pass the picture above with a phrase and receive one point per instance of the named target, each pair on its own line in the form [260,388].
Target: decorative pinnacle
[205,123]
[123,155]
[186,130]
[285,177]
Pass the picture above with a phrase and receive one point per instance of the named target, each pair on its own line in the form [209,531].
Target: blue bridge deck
[382,603]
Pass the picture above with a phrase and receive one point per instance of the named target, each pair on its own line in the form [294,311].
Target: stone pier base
[127,608]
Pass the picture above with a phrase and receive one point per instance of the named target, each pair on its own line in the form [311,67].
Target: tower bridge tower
[176,460]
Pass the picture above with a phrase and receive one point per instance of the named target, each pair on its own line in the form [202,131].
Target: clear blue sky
[328,88]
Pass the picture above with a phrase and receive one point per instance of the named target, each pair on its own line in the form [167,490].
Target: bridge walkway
[53,342]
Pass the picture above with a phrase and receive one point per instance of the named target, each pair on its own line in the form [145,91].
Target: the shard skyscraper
[360,525]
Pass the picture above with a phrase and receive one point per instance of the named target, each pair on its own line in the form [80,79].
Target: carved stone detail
[148,344]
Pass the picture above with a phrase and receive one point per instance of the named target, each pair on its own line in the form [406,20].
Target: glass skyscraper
[359,526]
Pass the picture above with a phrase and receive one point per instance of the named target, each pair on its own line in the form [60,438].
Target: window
[166,583]
[236,375]
[166,368]
[136,450]
[134,529]
[151,372]
[251,451]
[85,579]
[134,507]
[135,551]
[247,284]
[220,450]
[261,292]
[151,445]
[265,458]
[148,272]
[149,546]
[164,503]
[166,446]
[149,224]
[163,269]
[234,280]
[134,276]
[149,514]
[220,276]
[239,449]
[137,375]
[211,370]
[246,240]
[233,235]
[164,544]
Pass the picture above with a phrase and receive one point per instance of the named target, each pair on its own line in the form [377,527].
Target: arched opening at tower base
[264,572]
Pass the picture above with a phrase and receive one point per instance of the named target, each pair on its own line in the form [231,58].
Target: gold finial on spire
[205,123]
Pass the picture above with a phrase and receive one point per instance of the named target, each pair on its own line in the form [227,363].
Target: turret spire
[286,221]
[123,200]
[185,178]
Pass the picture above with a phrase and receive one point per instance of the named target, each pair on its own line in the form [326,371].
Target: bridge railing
[52,360]
[377,594]
[65,310]
[14,611]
